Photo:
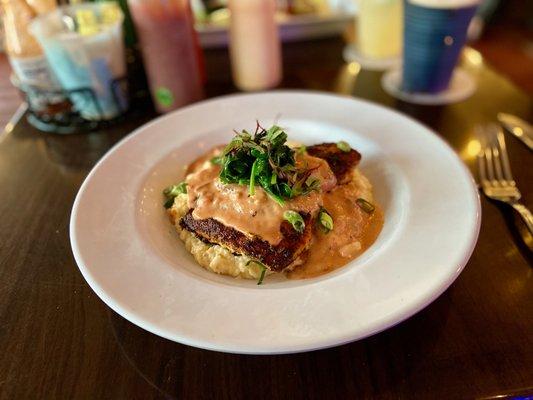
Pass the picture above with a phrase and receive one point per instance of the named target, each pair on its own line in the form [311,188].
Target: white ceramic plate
[130,255]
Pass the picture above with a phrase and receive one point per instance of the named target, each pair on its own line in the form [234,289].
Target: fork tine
[481,159]
[496,159]
[482,171]
[505,158]
[493,159]
[490,168]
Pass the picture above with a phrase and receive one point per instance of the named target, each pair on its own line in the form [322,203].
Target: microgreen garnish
[295,219]
[263,159]
[172,191]
[343,146]
[325,220]
[263,269]
[365,205]
[253,174]
[312,183]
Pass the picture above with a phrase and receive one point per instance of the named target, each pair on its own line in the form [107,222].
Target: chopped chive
[326,222]
[365,205]
[295,219]
[174,190]
[169,203]
[343,146]
[263,270]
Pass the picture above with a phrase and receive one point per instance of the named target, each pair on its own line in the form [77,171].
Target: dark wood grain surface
[59,341]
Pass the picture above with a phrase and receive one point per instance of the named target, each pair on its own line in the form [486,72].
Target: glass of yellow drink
[379,28]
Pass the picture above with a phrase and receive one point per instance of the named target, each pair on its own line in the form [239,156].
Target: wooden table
[59,341]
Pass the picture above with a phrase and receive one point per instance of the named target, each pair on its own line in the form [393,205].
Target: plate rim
[385,323]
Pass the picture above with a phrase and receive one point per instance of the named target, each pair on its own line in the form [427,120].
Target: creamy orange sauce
[201,161]
[353,231]
[256,215]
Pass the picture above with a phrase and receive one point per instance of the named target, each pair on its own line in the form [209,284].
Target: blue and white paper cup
[434,34]
[87,62]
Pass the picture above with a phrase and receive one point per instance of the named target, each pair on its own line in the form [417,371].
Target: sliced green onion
[174,190]
[263,269]
[301,150]
[263,272]
[295,219]
[343,146]
[217,160]
[274,179]
[169,203]
[365,205]
[325,220]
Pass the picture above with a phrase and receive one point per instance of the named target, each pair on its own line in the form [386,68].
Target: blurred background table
[58,340]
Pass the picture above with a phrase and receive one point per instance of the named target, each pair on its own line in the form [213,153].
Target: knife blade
[518,127]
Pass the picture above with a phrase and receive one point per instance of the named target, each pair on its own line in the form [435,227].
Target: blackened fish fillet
[341,162]
[276,257]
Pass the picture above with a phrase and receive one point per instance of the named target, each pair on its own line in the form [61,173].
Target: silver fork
[495,172]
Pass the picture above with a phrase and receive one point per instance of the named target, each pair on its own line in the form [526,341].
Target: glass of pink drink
[170,50]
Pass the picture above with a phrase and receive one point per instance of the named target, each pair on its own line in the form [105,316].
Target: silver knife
[518,127]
